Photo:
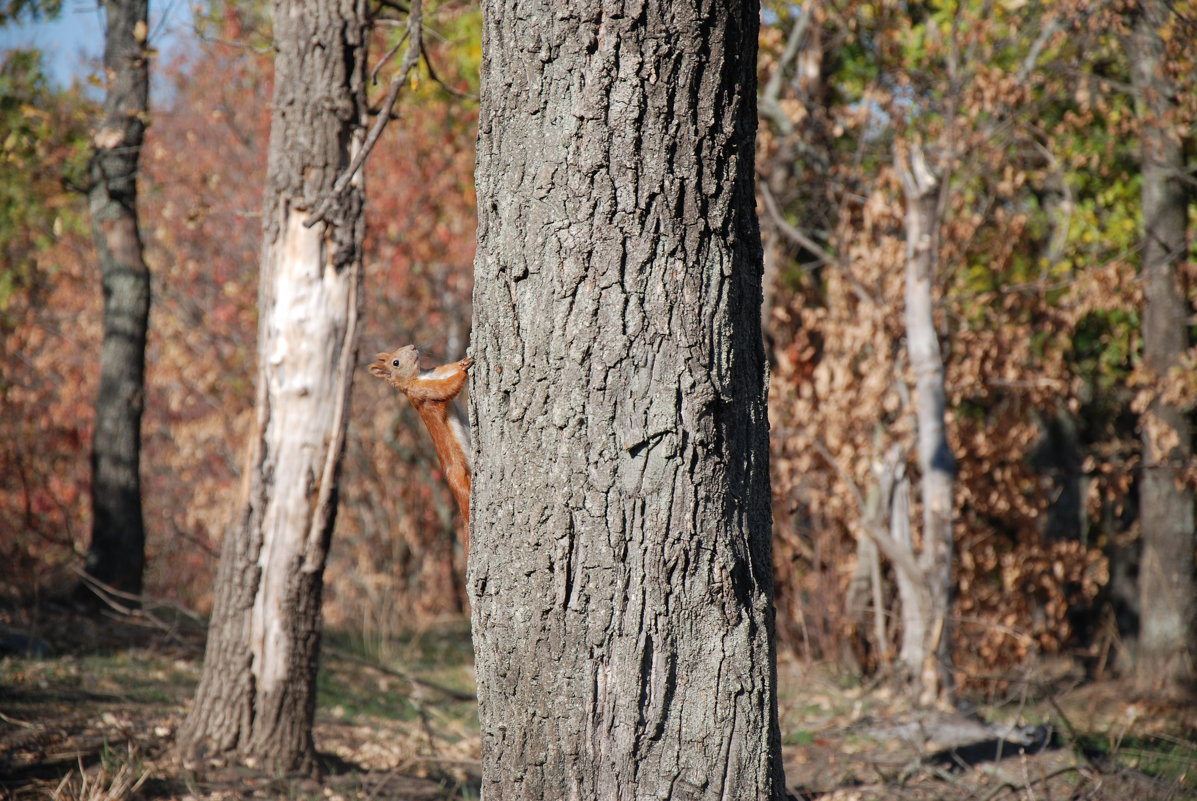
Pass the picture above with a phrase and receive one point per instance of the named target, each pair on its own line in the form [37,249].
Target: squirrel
[432,393]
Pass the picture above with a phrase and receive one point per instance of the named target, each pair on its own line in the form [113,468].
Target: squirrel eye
[395,363]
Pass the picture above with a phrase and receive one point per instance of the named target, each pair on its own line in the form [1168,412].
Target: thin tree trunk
[1167,588]
[116,555]
[620,571]
[930,665]
[866,588]
[257,694]
[914,601]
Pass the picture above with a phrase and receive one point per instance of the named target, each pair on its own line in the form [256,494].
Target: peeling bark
[620,573]
[257,695]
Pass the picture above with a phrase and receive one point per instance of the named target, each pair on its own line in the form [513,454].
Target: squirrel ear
[378,370]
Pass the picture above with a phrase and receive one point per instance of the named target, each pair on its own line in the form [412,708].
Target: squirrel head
[397,367]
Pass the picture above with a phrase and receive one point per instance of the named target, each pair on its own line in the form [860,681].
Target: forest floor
[89,707]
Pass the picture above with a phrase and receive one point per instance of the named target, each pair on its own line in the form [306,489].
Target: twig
[382,62]
[109,595]
[796,234]
[1073,734]
[1014,786]
[16,722]
[437,78]
[899,554]
[410,60]
[768,102]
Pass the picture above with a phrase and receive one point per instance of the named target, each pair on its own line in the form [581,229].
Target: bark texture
[620,572]
[116,555]
[926,640]
[1167,588]
[257,694]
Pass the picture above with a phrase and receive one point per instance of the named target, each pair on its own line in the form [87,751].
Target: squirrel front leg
[431,392]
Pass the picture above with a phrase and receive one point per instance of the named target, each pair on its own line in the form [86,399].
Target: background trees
[1037,302]
[620,572]
[116,553]
[1168,588]
[1025,116]
[48,307]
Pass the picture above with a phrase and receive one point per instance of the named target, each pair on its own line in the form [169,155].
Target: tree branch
[897,553]
[410,60]
[793,233]
[768,103]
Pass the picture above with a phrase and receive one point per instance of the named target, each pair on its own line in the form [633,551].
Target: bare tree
[257,695]
[926,590]
[620,570]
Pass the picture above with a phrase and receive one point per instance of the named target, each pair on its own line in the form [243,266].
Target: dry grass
[116,778]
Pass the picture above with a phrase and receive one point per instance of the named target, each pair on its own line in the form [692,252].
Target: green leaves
[42,153]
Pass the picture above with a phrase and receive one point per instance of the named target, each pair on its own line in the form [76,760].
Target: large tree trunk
[620,571]
[1168,593]
[928,659]
[116,556]
[257,695]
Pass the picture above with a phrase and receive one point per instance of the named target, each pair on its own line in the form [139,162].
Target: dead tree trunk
[1167,645]
[257,695]
[116,555]
[929,658]
[620,572]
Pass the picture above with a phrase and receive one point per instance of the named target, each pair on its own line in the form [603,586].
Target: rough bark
[1167,588]
[257,694]
[116,555]
[620,573]
[929,659]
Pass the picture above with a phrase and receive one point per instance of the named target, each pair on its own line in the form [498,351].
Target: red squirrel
[432,393]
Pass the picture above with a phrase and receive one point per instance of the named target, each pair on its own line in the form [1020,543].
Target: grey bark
[1168,591]
[116,555]
[257,694]
[620,571]
[929,658]
[865,598]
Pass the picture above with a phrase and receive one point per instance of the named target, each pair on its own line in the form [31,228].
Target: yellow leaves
[140,31]
[34,113]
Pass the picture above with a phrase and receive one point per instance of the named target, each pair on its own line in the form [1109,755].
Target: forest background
[1027,109]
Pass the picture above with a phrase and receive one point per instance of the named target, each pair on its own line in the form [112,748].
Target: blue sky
[74,42]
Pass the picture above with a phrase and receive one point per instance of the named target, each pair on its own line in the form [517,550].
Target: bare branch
[382,62]
[793,233]
[433,75]
[410,60]
[897,553]
[768,102]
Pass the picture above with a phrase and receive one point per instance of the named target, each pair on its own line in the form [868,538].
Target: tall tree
[116,556]
[620,568]
[1167,587]
[257,694]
